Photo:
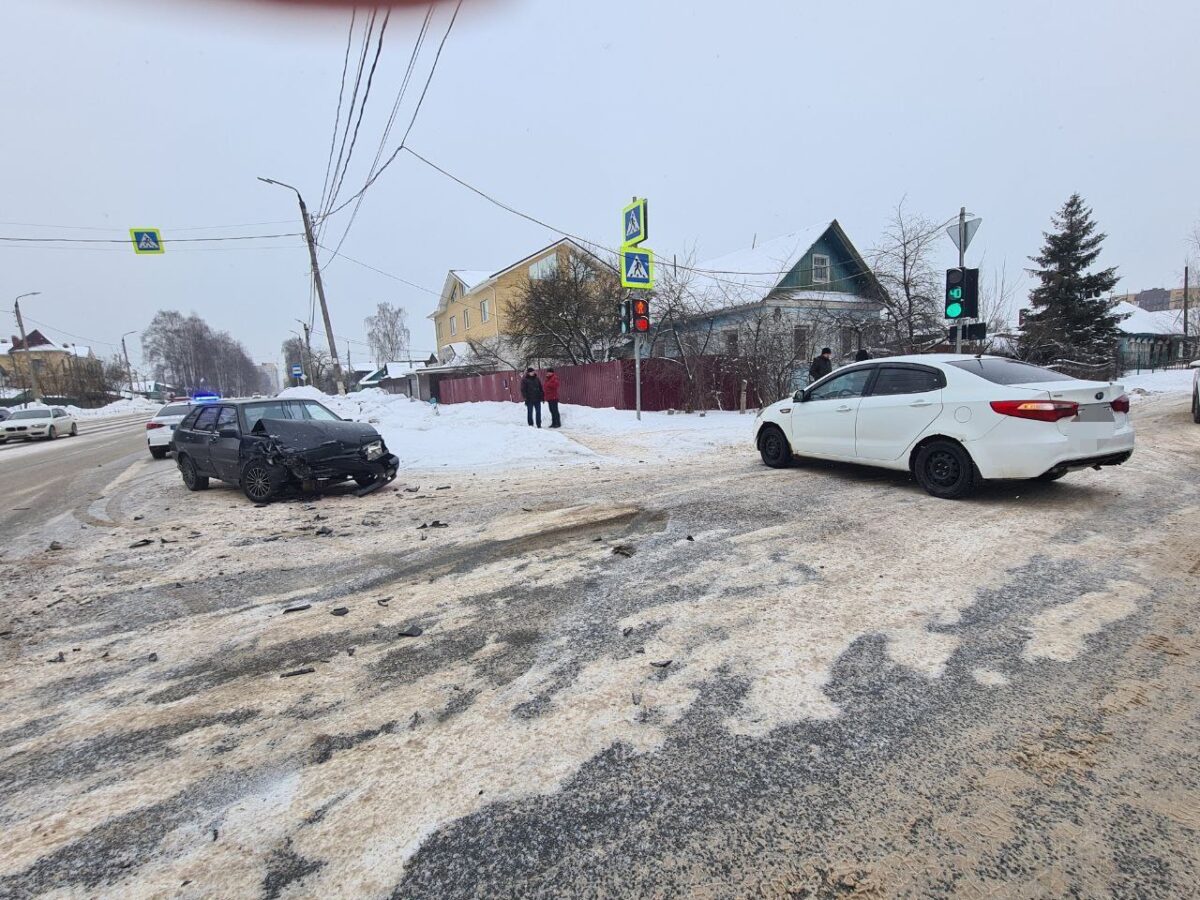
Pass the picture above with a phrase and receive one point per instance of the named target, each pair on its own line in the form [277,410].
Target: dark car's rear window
[1008,371]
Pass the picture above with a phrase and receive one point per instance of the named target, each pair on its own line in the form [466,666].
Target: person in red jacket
[551,388]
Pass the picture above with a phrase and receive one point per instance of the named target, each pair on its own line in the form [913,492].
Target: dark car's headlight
[373,450]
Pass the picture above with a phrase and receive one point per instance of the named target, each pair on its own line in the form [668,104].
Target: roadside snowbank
[1167,381]
[117,408]
[484,435]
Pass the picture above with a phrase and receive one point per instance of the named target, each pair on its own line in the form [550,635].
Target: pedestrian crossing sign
[146,240]
[635,224]
[637,268]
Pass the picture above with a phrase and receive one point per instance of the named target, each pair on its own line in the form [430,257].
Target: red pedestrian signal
[641,316]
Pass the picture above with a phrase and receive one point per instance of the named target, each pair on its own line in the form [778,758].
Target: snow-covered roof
[1142,321]
[750,274]
[471,278]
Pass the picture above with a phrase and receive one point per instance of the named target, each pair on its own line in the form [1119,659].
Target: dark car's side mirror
[229,433]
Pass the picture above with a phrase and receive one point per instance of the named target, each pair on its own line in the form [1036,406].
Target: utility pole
[37,391]
[1185,307]
[306,362]
[316,271]
[128,369]
[637,373]
[962,263]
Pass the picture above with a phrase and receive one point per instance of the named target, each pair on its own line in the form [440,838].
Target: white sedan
[952,421]
[1195,391]
[41,422]
[160,431]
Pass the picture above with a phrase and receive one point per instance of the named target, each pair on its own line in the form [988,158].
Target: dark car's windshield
[1009,371]
[268,409]
[314,410]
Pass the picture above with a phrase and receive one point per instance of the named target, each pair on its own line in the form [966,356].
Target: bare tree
[766,353]
[387,333]
[912,313]
[569,317]
[188,353]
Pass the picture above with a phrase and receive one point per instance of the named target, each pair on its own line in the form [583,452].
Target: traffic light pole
[962,264]
[637,373]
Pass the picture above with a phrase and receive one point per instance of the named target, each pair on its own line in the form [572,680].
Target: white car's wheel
[74,429]
[51,434]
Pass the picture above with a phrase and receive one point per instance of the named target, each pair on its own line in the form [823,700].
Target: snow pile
[484,435]
[117,408]
[1165,381]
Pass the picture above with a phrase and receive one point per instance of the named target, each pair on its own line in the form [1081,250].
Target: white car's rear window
[174,409]
[1008,371]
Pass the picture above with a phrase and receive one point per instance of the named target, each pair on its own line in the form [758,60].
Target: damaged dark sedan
[265,446]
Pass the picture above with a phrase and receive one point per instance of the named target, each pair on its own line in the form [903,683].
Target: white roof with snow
[1142,321]
[750,274]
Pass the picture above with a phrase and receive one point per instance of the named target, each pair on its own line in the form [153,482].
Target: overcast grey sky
[734,119]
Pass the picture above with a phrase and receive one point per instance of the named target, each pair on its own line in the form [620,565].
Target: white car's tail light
[1121,404]
[1038,410]
[152,425]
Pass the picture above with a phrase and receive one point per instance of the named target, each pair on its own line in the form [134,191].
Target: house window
[544,268]
[484,314]
[847,335]
[731,342]
[800,341]
[453,325]
[466,320]
[453,293]
[820,269]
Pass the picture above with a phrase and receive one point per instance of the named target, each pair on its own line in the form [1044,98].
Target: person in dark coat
[532,394]
[551,389]
[821,365]
[862,355]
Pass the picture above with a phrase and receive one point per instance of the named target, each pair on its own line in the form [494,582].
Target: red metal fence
[610,384]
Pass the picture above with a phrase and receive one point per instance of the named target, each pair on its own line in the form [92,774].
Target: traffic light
[962,293]
[641,316]
[623,315]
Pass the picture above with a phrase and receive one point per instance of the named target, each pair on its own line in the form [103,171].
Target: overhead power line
[337,119]
[362,63]
[359,262]
[77,337]
[371,180]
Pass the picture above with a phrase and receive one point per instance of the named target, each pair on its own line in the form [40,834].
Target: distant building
[66,371]
[270,375]
[1152,338]
[1159,299]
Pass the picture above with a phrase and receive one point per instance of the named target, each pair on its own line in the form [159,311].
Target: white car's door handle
[845,408]
[922,403]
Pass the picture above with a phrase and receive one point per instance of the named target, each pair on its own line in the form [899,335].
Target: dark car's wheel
[365,480]
[1196,407]
[158,452]
[774,448]
[945,470]
[261,481]
[192,479]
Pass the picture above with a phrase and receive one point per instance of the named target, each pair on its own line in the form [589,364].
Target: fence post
[742,401]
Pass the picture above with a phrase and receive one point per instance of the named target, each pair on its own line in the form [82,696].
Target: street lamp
[37,392]
[316,270]
[128,369]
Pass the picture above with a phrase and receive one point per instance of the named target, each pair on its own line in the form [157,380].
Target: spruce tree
[1069,318]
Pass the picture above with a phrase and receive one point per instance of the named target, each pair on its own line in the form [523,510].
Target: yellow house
[475,306]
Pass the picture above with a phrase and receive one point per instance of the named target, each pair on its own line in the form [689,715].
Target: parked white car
[160,431]
[952,421]
[1195,391]
[40,422]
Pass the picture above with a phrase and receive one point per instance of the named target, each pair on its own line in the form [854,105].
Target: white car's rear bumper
[1018,448]
[159,437]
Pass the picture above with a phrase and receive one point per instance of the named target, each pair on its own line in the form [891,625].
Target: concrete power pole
[128,369]
[33,381]
[316,271]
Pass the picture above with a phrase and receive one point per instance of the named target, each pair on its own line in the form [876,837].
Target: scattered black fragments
[138,518]
[268,540]
[444,487]
[339,611]
[60,658]
[215,833]
[142,543]
[383,601]
[163,540]
[690,538]
[436,524]
[628,631]
[299,608]
[318,517]
[307,670]
[54,545]
[153,657]
[412,490]
[624,550]
[324,531]
[412,631]
[662,663]
[370,523]
[260,506]
[350,651]
[637,699]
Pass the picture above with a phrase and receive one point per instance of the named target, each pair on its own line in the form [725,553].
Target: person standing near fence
[551,390]
[532,394]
